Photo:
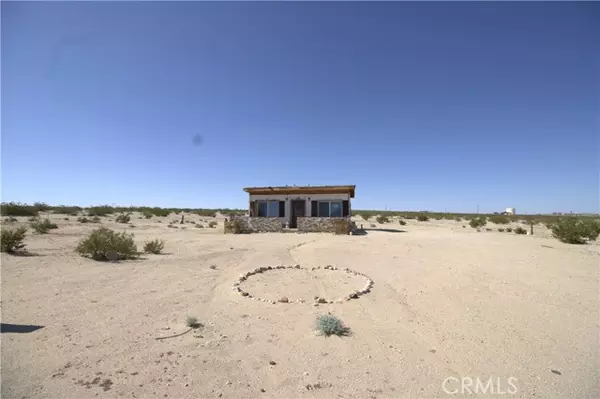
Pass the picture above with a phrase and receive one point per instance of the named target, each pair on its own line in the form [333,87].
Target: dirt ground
[448,302]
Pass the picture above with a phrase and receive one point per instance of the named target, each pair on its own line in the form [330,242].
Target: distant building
[509,211]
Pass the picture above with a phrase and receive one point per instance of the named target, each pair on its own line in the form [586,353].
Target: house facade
[294,204]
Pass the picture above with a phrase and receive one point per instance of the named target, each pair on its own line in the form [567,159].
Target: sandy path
[447,302]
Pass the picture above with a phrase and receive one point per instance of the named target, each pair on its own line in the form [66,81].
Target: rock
[315,304]
[354,295]
[284,299]
[244,293]
[322,300]
[272,363]
[297,266]
[262,390]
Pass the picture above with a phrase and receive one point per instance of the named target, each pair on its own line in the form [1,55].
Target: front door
[298,209]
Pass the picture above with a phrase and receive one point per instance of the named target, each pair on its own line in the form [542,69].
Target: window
[268,209]
[330,209]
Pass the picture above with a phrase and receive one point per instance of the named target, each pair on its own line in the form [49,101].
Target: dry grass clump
[123,218]
[382,219]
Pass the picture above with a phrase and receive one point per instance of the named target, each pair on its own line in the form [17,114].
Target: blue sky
[424,106]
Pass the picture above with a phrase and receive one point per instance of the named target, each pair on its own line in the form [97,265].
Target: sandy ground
[448,302]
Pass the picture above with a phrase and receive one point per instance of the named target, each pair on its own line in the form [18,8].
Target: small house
[294,206]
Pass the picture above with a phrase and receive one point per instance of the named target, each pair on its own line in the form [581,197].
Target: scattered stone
[244,293]
[354,295]
[262,390]
[272,363]
[321,300]
[284,299]
[297,266]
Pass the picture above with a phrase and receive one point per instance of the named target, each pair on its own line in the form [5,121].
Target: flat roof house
[293,205]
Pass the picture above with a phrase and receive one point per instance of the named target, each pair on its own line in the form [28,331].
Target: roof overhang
[291,190]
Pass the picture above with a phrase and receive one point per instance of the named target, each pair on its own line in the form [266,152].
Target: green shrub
[458,219]
[154,247]
[499,219]
[102,210]
[103,243]
[382,219]
[501,230]
[572,230]
[520,230]
[422,218]
[212,224]
[17,209]
[43,226]
[402,222]
[123,218]
[200,226]
[329,325]
[11,241]
[67,210]
[148,215]
[509,230]
[478,222]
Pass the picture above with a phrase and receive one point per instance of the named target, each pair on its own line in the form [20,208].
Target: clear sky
[424,106]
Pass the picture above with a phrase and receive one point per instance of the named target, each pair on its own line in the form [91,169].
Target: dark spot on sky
[197,140]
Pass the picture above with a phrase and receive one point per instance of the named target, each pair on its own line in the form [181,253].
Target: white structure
[510,211]
[288,203]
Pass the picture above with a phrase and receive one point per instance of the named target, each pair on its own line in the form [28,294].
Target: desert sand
[447,301]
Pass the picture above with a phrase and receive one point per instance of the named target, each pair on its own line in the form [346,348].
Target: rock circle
[317,300]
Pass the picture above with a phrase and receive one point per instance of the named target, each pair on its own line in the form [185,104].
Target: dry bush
[402,222]
[382,219]
[17,209]
[422,218]
[154,246]
[43,226]
[100,243]
[478,222]
[499,219]
[212,224]
[520,230]
[123,218]
[11,241]
[572,230]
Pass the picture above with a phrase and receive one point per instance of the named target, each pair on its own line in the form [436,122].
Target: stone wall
[247,224]
[325,225]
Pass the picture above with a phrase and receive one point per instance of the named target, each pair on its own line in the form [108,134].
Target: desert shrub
[11,219]
[499,219]
[192,322]
[172,226]
[207,212]
[464,227]
[103,241]
[488,229]
[382,219]
[422,218]
[402,222]
[65,218]
[101,210]
[43,226]
[200,226]
[148,215]
[501,230]
[212,224]
[571,230]
[154,246]
[458,219]
[83,219]
[478,222]
[123,218]
[329,325]
[17,209]
[67,210]
[520,230]
[509,229]
[11,241]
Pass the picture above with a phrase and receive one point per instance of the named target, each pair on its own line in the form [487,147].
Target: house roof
[291,190]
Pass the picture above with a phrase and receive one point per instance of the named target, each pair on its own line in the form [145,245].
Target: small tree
[12,240]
